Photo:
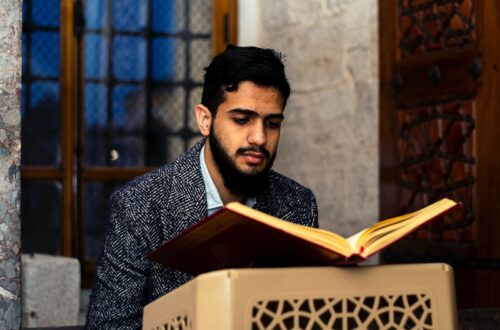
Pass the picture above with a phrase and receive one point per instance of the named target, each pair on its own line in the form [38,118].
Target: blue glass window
[129,15]
[45,54]
[40,88]
[164,59]
[164,15]
[44,95]
[96,14]
[129,58]
[96,105]
[45,13]
[96,56]
[24,49]
[128,107]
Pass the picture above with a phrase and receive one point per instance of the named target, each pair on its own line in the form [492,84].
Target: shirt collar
[214,201]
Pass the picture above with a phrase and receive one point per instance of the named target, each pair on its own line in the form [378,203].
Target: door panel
[438,111]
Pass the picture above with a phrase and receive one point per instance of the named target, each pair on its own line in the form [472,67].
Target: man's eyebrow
[252,113]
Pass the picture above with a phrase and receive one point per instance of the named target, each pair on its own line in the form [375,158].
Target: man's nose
[257,134]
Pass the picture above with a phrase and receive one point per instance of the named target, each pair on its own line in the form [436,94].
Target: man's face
[244,136]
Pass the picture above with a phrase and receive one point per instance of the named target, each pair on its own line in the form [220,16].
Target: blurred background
[135,72]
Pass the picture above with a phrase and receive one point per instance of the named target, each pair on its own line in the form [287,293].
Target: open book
[237,236]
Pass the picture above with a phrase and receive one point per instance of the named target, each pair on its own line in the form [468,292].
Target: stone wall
[10,146]
[330,135]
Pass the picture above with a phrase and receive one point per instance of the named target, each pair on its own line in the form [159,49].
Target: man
[244,95]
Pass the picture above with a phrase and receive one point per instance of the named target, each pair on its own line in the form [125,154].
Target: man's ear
[203,119]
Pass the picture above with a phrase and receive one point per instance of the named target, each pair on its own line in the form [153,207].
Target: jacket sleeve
[313,210]
[118,297]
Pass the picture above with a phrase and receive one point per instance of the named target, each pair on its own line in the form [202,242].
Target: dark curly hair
[264,67]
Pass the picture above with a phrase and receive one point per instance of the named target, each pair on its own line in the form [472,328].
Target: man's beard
[250,183]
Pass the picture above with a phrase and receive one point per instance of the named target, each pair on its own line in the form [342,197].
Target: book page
[325,238]
[353,242]
[385,232]
[381,228]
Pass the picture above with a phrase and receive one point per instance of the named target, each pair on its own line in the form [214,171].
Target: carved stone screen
[404,311]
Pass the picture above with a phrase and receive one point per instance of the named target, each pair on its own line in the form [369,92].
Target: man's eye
[273,124]
[241,121]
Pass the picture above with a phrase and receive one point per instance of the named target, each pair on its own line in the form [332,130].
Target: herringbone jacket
[149,211]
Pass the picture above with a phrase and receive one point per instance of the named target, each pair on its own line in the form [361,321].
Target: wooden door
[439,108]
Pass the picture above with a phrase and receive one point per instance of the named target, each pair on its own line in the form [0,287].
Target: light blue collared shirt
[214,202]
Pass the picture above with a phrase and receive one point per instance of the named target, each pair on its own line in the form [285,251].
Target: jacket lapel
[268,203]
[273,202]
[187,201]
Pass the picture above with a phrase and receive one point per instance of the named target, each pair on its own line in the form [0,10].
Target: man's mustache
[258,149]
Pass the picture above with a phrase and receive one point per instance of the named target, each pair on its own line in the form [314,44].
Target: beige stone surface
[330,135]
[50,291]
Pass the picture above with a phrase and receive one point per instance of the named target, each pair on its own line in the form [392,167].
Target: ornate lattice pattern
[436,160]
[181,322]
[429,25]
[405,311]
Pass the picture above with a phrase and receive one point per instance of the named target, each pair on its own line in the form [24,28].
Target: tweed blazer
[149,211]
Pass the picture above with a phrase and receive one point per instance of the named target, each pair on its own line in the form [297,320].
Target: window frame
[72,172]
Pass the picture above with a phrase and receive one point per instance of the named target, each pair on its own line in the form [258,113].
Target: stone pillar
[329,138]
[10,147]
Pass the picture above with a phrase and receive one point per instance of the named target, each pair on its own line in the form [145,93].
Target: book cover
[240,237]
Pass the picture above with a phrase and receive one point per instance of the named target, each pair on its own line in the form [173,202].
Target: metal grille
[144,63]
[436,160]
[40,105]
[428,25]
